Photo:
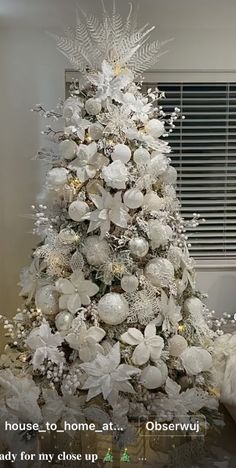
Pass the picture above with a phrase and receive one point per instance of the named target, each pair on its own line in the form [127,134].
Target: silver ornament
[67,236]
[133,198]
[138,247]
[129,283]
[77,261]
[96,131]
[93,106]
[77,210]
[68,149]
[113,308]
[46,299]
[177,344]
[160,272]
[63,321]
[96,250]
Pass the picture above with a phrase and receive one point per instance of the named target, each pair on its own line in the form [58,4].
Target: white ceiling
[166,14]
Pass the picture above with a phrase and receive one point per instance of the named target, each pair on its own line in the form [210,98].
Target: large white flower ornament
[86,341]
[170,312]
[109,209]
[88,162]
[109,83]
[45,344]
[115,175]
[148,346]
[76,291]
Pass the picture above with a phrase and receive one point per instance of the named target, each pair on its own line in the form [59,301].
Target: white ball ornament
[96,131]
[177,344]
[163,369]
[46,299]
[170,176]
[96,250]
[155,128]
[129,283]
[151,378]
[141,156]
[77,210]
[159,233]
[138,247]
[121,153]
[63,321]
[133,198]
[67,236]
[57,177]
[151,202]
[93,106]
[196,360]
[68,149]
[113,308]
[160,272]
[193,306]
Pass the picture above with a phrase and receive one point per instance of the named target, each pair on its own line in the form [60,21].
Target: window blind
[203,152]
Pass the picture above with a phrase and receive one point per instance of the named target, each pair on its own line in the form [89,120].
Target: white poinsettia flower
[117,120]
[31,280]
[67,408]
[20,395]
[78,128]
[139,106]
[76,291]
[170,313]
[109,209]
[108,83]
[45,344]
[72,109]
[148,345]
[88,162]
[115,175]
[177,403]
[86,341]
[107,376]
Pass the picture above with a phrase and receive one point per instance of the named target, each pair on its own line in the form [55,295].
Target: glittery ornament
[129,283]
[121,153]
[159,233]
[63,321]
[96,250]
[141,156]
[155,128]
[93,106]
[175,256]
[96,131]
[151,377]
[46,299]
[151,202]
[57,177]
[170,176]
[157,165]
[113,308]
[177,344]
[68,236]
[77,210]
[138,247]
[68,149]
[160,272]
[77,261]
[133,198]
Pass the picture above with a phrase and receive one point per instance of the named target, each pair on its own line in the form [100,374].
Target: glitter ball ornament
[96,250]
[93,106]
[138,247]
[121,153]
[175,256]
[151,202]
[196,360]
[63,321]
[68,149]
[155,128]
[177,344]
[158,165]
[141,156]
[46,299]
[77,261]
[57,177]
[77,210]
[159,233]
[113,308]
[133,198]
[151,378]
[170,176]
[67,236]
[160,272]
[96,131]
[129,283]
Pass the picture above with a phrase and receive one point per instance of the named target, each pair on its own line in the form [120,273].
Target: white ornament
[77,210]
[57,177]
[77,261]
[68,149]
[138,247]
[193,306]
[163,369]
[96,250]
[63,321]
[160,272]
[157,165]
[151,378]
[93,106]
[129,283]
[170,176]
[121,153]
[175,256]
[133,198]
[67,236]
[46,299]
[113,308]
[152,202]
[159,233]
[177,344]
[141,156]
[115,175]
[196,360]
[96,131]
[155,128]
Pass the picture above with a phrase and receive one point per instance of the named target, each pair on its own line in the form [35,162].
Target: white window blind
[203,152]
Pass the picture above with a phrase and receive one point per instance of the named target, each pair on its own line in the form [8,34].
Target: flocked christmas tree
[112,325]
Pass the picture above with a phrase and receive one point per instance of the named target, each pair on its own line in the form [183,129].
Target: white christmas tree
[112,325]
